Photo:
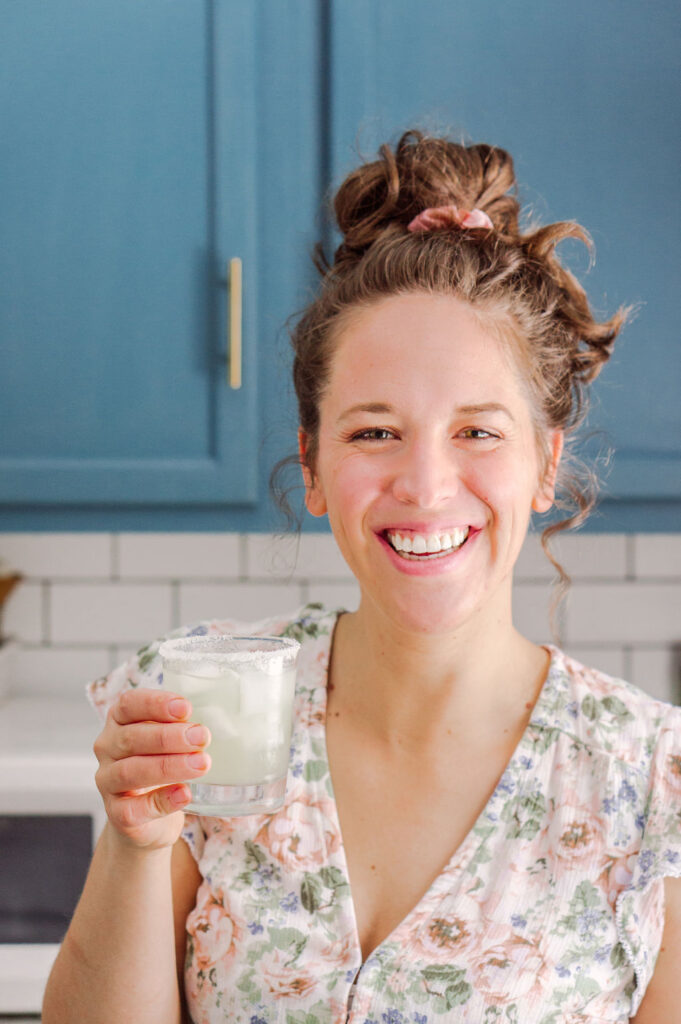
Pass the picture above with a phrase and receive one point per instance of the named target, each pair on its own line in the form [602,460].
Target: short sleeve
[142,670]
[640,907]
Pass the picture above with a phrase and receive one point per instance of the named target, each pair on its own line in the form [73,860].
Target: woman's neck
[413,689]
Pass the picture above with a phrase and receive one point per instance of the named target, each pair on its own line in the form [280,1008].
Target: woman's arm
[118,960]
[662,1002]
[186,880]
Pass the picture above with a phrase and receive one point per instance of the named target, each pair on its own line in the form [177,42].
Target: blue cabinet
[148,144]
[134,172]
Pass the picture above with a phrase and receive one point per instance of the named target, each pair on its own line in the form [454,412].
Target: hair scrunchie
[449,216]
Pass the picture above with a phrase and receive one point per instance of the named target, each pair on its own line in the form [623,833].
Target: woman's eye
[374,434]
[477,434]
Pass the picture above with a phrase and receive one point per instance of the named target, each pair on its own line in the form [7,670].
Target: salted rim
[194,649]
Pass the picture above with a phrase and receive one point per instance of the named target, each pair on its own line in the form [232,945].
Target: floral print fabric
[550,912]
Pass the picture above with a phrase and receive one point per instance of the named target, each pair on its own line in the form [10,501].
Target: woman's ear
[546,492]
[314,496]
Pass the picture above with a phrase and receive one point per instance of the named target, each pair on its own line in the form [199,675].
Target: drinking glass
[242,688]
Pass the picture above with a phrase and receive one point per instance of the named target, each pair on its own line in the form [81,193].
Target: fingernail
[196,734]
[179,796]
[197,760]
[178,707]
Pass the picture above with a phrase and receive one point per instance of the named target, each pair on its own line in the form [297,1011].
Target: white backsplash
[90,600]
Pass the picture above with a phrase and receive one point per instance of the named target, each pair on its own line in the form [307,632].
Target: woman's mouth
[422,547]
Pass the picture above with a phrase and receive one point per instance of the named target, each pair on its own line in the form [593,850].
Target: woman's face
[427,464]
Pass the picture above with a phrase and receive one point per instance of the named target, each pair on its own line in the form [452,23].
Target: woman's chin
[429,618]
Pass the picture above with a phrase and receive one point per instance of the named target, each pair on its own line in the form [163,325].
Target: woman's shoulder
[608,712]
[307,624]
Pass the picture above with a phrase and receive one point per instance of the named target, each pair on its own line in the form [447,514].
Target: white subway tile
[657,554]
[628,613]
[22,615]
[658,672]
[532,563]
[611,660]
[531,603]
[243,602]
[583,556]
[320,558]
[58,555]
[7,668]
[178,555]
[593,555]
[311,556]
[109,613]
[335,595]
[271,556]
[57,672]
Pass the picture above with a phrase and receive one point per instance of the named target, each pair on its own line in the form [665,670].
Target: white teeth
[459,536]
[432,544]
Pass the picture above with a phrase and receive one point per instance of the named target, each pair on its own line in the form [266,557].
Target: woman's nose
[425,476]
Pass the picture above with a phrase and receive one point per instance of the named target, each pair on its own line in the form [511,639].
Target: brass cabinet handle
[234,324]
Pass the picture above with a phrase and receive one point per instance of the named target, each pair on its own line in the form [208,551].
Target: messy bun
[386,195]
[512,278]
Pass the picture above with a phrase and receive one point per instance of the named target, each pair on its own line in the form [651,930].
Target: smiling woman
[476,828]
[407,227]
[441,446]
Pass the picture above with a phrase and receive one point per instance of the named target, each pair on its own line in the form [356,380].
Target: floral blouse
[550,912]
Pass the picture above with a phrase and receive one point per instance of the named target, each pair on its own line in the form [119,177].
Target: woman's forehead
[420,341]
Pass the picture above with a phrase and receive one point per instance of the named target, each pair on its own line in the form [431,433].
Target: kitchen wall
[90,600]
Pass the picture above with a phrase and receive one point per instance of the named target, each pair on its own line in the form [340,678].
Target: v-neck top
[550,911]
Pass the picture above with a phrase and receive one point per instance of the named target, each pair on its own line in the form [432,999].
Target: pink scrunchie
[448,216]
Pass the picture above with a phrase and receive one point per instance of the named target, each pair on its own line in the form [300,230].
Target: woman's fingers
[128,813]
[157,738]
[144,705]
[147,750]
[129,774]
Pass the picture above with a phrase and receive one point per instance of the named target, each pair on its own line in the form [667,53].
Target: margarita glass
[242,689]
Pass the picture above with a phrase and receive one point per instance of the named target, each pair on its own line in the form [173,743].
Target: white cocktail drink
[242,689]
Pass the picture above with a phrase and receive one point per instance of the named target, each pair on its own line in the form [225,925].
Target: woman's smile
[412,544]
[427,553]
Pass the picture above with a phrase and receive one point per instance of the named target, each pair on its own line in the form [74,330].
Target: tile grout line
[175,604]
[46,630]
[114,554]
[630,557]
[242,558]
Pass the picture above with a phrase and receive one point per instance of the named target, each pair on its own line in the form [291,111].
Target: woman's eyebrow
[376,407]
[380,408]
[471,410]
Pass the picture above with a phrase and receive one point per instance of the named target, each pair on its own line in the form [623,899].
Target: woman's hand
[146,751]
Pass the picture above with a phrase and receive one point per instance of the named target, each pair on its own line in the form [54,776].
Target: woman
[509,818]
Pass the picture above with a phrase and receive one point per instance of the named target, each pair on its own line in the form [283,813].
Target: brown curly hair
[512,279]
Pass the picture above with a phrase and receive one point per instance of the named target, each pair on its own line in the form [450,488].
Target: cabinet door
[128,182]
[585,96]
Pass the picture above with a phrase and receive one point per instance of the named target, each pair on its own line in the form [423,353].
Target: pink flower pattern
[551,911]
